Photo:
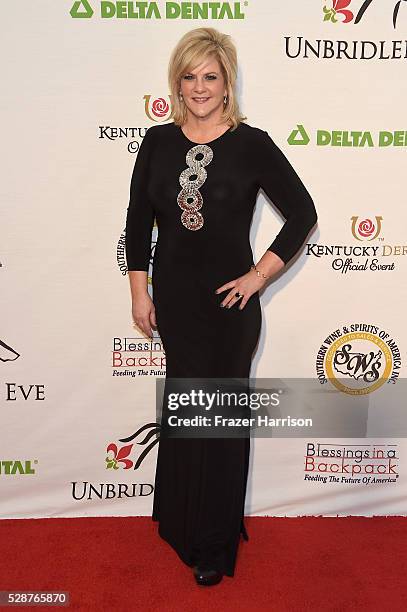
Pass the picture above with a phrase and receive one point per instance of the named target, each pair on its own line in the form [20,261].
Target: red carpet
[295,564]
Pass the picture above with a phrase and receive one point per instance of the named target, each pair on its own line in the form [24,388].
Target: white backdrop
[78,95]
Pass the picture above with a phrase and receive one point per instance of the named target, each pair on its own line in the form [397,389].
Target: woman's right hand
[143,312]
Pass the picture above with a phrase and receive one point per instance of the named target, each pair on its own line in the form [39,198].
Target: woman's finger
[227,299]
[231,298]
[144,326]
[226,286]
[244,301]
[147,327]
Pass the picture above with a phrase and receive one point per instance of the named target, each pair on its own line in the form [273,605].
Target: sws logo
[339,11]
[358,359]
[120,457]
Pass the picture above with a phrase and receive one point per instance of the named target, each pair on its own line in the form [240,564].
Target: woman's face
[203,89]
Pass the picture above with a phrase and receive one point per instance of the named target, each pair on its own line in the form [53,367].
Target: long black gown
[200,484]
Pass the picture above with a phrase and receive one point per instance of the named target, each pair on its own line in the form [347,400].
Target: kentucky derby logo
[120,455]
[375,255]
[366,229]
[358,359]
[338,11]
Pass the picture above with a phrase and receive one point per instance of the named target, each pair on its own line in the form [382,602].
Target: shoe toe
[207,577]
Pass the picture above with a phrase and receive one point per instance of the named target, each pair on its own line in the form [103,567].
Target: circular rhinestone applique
[193,220]
[191,179]
[190,199]
[200,149]
[194,171]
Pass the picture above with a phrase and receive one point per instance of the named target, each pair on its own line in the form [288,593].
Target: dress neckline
[203,143]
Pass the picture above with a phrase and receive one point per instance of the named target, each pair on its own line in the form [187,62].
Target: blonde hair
[192,49]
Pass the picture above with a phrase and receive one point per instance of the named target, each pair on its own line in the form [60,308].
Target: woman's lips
[200,100]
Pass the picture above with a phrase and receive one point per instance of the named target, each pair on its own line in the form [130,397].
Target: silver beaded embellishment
[190,198]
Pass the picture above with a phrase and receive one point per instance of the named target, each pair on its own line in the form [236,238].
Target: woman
[199,176]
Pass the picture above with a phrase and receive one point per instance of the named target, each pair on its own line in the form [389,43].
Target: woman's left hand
[246,285]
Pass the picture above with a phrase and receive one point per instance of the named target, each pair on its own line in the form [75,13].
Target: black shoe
[207,577]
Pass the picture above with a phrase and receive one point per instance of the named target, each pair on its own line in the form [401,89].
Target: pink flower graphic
[160,107]
[366,228]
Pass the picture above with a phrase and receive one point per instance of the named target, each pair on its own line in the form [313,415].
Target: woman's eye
[210,77]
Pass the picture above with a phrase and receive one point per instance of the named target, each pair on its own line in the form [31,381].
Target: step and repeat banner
[82,82]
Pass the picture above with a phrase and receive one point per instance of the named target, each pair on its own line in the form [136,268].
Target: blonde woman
[199,176]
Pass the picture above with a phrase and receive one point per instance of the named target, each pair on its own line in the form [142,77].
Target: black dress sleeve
[283,186]
[140,213]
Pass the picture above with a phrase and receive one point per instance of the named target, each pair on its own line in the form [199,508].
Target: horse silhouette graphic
[7,353]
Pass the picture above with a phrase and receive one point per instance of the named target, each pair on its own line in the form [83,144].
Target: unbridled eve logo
[345,13]
[119,456]
[338,11]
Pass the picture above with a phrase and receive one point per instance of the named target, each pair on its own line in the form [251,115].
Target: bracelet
[253,267]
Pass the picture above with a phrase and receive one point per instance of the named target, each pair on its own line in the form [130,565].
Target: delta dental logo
[82,9]
[358,359]
[11,467]
[378,257]
[348,138]
[338,13]
[351,465]
[119,459]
